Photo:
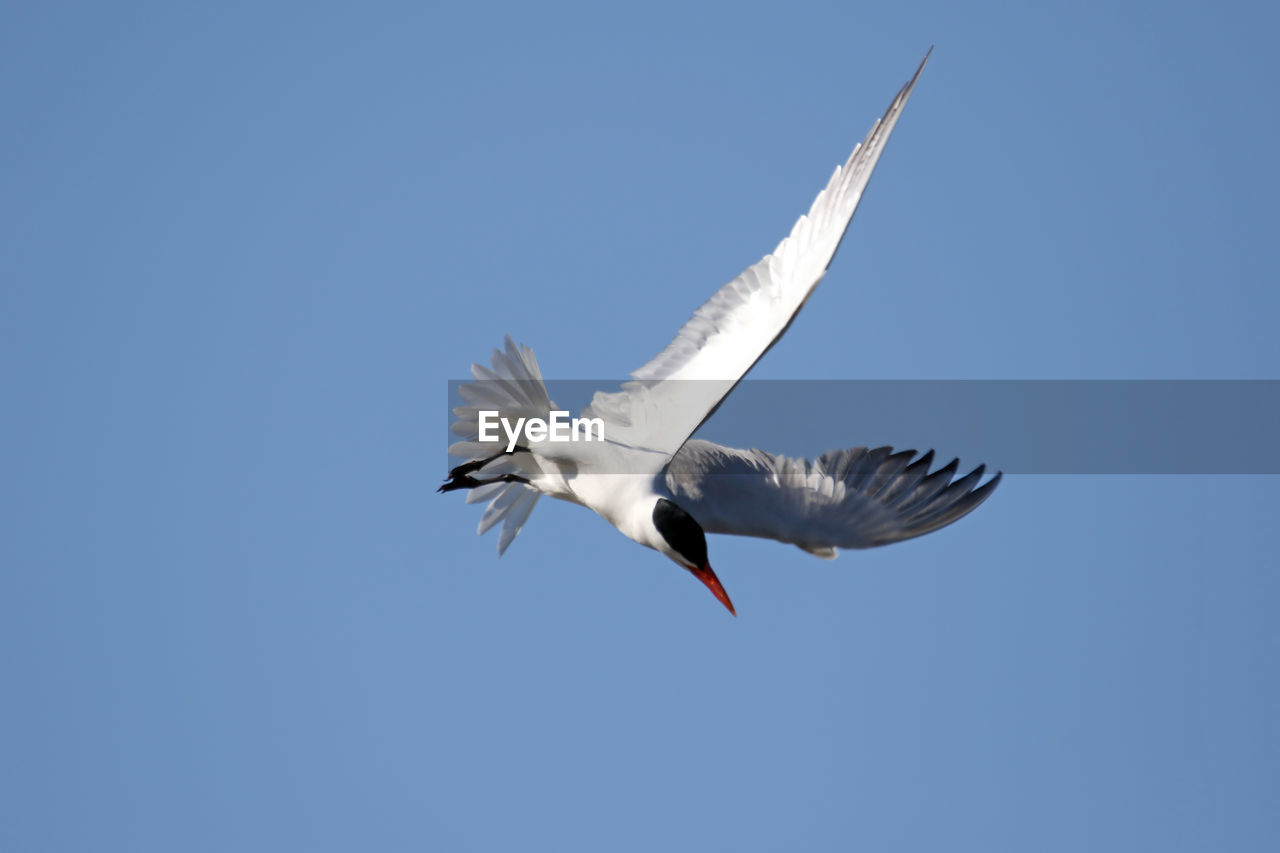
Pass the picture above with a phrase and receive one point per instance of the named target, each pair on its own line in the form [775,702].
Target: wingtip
[900,99]
[981,493]
[923,63]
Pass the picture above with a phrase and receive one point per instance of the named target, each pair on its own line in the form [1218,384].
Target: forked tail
[513,388]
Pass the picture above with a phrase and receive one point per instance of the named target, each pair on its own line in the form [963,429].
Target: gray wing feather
[855,498]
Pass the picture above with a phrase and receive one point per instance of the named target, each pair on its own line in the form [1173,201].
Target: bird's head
[684,541]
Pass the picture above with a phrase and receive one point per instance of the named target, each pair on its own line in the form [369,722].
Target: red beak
[709,578]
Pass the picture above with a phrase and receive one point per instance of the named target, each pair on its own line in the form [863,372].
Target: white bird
[665,490]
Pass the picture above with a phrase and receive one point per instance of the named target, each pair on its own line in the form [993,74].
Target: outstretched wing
[673,394]
[856,498]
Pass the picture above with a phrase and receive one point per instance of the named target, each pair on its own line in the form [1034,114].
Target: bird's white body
[663,490]
[624,495]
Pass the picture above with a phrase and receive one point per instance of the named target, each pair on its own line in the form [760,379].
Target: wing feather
[669,397]
[855,498]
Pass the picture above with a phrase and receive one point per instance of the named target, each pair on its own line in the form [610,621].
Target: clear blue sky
[246,246]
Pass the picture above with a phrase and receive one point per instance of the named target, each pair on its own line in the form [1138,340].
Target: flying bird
[666,490]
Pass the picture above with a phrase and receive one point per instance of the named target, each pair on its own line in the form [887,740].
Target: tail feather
[483,493]
[516,516]
[513,387]
[499,507]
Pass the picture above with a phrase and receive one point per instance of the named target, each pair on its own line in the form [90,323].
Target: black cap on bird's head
[686,538]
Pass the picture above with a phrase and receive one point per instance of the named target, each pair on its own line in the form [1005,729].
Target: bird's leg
[460,476]
[466,481]
[474,465]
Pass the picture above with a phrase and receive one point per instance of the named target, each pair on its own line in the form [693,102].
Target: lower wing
[856,498]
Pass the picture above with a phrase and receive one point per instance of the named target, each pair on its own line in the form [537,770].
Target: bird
[651,479]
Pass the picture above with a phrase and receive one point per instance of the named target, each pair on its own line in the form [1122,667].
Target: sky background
[246,246]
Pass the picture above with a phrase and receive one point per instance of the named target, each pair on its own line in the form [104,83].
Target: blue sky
[246,248]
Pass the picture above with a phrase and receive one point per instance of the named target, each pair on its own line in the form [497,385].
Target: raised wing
[856,498]
[681,387]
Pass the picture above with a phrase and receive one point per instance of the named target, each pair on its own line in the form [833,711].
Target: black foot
[460,476]
[459,481]
[464,480]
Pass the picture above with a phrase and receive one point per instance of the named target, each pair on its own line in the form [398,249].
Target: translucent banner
[1018,426]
